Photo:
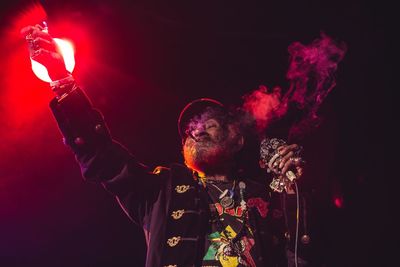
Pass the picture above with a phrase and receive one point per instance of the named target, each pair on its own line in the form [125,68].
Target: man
[207,213]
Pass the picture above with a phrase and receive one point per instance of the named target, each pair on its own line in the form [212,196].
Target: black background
[151,58]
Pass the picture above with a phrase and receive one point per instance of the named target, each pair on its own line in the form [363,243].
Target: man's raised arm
[102,160]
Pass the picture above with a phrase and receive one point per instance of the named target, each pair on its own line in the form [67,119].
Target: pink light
[338,201]
[67,51]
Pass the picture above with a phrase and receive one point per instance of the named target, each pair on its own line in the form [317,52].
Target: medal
[226,199]
[226,196]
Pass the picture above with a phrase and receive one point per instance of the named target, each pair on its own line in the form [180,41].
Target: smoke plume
[265,106]
[311,77]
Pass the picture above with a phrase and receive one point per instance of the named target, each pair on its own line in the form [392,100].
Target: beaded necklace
[235,247]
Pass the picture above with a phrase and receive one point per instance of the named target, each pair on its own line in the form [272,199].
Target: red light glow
[67,51]
[338,201]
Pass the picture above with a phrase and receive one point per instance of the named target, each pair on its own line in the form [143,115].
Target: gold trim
[182,188]
[173,241]
[177,214]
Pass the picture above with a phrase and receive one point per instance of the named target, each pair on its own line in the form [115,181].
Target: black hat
[194,108]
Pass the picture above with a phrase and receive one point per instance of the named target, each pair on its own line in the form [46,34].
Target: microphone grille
[268,148]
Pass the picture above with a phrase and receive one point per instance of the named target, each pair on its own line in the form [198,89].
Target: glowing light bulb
[67,51]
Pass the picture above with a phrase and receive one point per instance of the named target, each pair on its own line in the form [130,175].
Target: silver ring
[275,157]
[29,37]
[295,159]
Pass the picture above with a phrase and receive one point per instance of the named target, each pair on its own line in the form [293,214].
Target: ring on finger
[295,159]
[29,37]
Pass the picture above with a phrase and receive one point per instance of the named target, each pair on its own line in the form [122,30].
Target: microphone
[269,156]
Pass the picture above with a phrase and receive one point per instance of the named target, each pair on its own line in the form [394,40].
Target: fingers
[39,33]
[291,162]
[46,57]
[274,162]
[282,158]
[52,61]
[42,47]
[39,27]
[26,30]
[40,42]
[32,32]
[286,152]
[286,162]
[283,150]
[295,162]
[285,159]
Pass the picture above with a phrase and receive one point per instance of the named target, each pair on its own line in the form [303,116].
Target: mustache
[202,138]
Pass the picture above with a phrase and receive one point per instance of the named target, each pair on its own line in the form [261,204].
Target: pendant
[226,202]
[226,199]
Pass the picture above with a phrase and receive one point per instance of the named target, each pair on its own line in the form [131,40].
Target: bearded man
[208,212]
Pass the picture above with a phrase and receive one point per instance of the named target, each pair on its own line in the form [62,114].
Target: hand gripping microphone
[269,156]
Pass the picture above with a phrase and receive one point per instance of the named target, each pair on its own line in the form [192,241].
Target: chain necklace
[235,247]
[226,196]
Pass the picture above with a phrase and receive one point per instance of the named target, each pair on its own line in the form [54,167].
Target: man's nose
[199,132]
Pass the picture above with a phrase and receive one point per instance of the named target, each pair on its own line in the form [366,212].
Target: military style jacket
[169,203]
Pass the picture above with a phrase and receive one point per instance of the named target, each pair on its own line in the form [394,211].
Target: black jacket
[168,203]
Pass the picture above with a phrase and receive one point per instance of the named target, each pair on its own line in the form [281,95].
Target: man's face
[210,145]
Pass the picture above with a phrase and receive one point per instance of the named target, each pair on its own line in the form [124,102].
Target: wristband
[63,86]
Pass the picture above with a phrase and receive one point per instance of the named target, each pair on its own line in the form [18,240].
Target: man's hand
[289,159]
[43,49]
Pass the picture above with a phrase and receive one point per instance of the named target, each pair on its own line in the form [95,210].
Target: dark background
[140,63]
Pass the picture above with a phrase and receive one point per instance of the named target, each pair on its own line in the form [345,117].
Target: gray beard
[211,157]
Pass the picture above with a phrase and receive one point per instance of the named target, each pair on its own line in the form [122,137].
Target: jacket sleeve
[104,161]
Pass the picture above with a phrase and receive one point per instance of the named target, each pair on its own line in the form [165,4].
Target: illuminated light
[40,71]
[338,201]
[67,51]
